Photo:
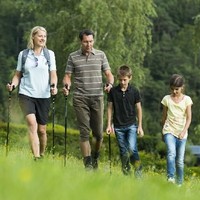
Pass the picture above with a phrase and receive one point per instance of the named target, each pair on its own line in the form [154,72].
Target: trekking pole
[65,151]
[53,121]
[109,151]
[8,118]
[109,145]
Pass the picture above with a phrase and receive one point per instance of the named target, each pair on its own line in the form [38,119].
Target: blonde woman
[34,78]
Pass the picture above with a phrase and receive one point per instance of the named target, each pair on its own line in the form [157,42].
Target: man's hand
[66,90]
[108,87]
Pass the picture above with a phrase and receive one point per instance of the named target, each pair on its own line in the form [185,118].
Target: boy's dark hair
[176,80]
[124,70]
[85,32]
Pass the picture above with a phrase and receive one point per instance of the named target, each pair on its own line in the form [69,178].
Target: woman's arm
[15,81]
[54,81]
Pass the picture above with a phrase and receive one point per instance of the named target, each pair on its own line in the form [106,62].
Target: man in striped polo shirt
[87,66]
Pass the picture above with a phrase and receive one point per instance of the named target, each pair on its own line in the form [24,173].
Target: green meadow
[22,178]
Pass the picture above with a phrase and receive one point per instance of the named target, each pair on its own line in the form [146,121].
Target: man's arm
[110,80]
[67,83]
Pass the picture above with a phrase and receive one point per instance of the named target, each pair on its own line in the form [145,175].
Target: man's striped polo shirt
[87,71]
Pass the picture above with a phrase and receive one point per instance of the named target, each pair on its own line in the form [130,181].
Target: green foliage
[19,172]
[156,38]
[152,149]
[22,179]
[175,49]
[196,135]
[122,30]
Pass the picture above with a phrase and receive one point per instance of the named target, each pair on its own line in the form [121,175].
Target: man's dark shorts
[38,106]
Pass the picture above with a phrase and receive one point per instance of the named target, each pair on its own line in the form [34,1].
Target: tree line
[155,37]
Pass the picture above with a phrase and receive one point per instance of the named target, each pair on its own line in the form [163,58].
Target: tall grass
[21,178]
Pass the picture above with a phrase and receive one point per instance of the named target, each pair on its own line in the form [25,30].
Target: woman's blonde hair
[33,33]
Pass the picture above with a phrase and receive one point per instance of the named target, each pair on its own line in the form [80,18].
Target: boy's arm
[139,116]
[109,118]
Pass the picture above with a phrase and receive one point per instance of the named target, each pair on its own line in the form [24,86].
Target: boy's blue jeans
[175,156]
[127,141]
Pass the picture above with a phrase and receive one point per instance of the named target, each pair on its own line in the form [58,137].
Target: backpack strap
[47,56]
[25,55]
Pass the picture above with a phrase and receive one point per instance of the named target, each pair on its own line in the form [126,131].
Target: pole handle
[52,86]
[13,87]
[67,88]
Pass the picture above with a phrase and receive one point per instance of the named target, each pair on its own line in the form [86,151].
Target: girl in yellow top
[176,120]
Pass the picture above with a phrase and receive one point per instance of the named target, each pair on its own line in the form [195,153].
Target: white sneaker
[171,180]
[179,185]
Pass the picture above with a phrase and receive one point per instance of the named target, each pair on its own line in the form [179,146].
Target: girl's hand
[181,135]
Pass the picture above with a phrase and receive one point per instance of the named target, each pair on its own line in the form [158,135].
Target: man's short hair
[85,32]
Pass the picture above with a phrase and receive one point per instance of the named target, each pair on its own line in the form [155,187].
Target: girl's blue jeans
[175,157]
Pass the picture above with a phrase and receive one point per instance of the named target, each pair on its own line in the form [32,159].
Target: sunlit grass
[23,178]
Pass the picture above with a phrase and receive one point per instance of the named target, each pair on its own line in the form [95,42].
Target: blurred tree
[9,17]
[122,30]
[175,49]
